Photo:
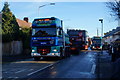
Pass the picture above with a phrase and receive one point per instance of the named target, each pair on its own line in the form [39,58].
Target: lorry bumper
[48,55]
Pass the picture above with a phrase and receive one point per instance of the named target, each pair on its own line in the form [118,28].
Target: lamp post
[44,5]
[101,20]
[119,15]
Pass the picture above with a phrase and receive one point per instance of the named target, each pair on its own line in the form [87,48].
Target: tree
[26,37]
[114,6]
[10,27]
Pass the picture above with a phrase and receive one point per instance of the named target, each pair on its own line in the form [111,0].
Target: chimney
[26,19]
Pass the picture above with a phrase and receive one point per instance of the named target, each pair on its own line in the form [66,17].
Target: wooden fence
[12,48]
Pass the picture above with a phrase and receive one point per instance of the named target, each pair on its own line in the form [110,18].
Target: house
[24,23]
[113,35]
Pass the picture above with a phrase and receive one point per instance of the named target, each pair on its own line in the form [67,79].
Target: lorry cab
[47,38]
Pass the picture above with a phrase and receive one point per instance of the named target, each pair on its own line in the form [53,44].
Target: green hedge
[26,38]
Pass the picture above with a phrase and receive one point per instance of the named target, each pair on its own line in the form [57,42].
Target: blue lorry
[49,39]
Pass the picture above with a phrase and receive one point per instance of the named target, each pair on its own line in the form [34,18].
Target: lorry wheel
[67,52]
[61,53]
[36,58]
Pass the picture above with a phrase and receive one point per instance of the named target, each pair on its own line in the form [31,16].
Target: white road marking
[41,69]
[9,77]
[13,77]
[20,71]
[16,77]
[31,69]
[0,78]
[93,68]
[51,67]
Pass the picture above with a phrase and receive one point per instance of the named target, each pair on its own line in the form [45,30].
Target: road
[76,66]
[21,69]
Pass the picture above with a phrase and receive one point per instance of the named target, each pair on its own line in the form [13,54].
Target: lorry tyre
[36,58]
[67,51]
[61,53]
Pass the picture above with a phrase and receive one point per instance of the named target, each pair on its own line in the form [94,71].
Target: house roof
[113,32]
[23,24]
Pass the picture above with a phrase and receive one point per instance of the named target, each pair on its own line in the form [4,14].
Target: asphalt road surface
[82,65]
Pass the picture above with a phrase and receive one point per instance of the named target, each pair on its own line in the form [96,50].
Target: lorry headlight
[55,50]
[33,50]
[35,53]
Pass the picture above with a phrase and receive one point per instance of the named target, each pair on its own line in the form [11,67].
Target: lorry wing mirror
[60,33]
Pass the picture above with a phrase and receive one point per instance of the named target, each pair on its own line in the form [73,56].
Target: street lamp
[119,16]
[101,20]
[44,5]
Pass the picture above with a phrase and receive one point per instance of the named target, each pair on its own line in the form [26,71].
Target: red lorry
[78,39]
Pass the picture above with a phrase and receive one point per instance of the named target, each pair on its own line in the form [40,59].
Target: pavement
[116,69]
[106,68]
[13,58]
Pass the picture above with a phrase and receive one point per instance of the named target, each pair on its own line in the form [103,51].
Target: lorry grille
[43,51]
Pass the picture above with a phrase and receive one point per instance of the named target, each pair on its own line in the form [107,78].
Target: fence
[12,48]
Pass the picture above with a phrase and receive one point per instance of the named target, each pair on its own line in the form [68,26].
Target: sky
[75,15]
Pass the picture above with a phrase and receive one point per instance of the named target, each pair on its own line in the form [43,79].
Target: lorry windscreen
[44,32]
[96,41]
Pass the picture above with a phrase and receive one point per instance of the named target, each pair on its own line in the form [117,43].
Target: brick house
[24,23]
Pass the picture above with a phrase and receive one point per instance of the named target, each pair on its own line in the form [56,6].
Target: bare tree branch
[114,7]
